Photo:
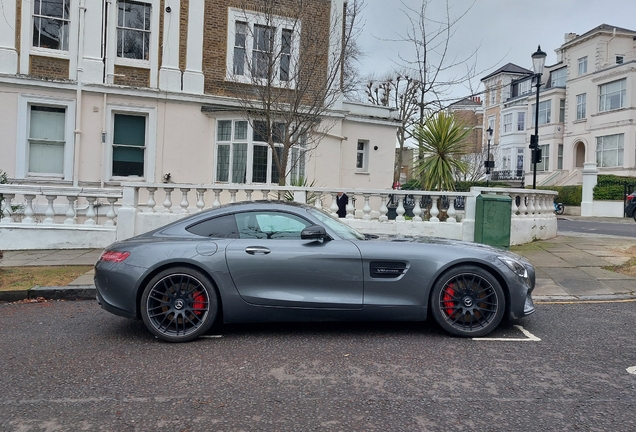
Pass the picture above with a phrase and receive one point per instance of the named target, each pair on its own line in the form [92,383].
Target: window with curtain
[507,123]
[46,140]
[51,21]
[231,153]
[521,121]
[129,145]
[133,29]
[609,150]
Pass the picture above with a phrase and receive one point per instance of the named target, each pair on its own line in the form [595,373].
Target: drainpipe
[78,104]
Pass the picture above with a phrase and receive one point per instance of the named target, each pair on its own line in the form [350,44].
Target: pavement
[569,267]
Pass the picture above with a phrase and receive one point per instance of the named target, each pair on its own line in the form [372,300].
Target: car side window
[219,227]
[270,225]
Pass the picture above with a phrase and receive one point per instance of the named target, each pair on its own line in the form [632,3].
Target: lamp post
[538,62]
[488,163]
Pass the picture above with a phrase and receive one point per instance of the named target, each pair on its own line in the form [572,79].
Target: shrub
[611,187]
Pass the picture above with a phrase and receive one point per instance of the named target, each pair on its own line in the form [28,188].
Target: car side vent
[387,269]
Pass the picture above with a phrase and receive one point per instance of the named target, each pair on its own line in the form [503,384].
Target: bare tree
[287,72]
[430,71]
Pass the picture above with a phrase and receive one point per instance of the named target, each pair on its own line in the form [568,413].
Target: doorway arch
[579,154]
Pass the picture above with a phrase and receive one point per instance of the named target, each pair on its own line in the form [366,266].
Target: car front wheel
[468,301]
[179,304]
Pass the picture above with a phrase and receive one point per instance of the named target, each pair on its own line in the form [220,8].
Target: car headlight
[514,265]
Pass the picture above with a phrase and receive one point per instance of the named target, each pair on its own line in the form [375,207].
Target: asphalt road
[621,227]
[72,366]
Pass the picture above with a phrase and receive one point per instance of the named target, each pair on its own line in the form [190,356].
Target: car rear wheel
[179,304]
[468,301]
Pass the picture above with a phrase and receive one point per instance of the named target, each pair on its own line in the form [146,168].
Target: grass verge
[24,278]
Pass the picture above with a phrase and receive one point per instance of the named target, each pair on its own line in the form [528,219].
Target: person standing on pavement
[342,200]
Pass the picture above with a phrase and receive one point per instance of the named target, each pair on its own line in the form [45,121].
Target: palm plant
[442,142]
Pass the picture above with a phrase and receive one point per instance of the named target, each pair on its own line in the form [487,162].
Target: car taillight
[630,197]
[114,256]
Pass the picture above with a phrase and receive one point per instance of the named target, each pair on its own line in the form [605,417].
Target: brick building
[97,92]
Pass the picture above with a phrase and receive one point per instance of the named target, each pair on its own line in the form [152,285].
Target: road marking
[529,337]
[585,301]
[212,336]
[631,370]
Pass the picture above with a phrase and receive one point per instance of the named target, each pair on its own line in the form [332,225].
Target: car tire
[179,304]
[468,301]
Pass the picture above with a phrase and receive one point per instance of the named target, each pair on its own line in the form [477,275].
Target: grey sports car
[286,262]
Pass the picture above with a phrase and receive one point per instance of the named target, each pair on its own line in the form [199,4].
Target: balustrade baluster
[28,209]
[434,209]
[150,205]
[217,198]
[351,210]
[531,208]
[451,212]
[523,207]
[90,211]
[110,216]
[50,211]
[70,212]
[514,208]
[383,208]
[167,203]
[200,199]
[367,207]
[233,195]
[334,204]
[248,194]
[7,211]
[318,200]
[184,200]
[417,209]
[400,208]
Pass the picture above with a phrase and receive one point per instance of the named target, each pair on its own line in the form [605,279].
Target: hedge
[611,187]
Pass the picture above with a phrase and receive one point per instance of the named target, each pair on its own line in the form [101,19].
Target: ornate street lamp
[488,163]
[538,62]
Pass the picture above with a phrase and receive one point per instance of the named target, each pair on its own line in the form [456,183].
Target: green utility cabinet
[492,220]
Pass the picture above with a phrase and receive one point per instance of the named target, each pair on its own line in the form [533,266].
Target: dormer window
[557,77]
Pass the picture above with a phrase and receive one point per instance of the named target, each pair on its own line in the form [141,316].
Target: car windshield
[343,230]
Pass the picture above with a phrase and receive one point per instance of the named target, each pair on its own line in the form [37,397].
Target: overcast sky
[502,30]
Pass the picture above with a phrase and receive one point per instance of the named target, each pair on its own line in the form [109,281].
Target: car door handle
[253,250]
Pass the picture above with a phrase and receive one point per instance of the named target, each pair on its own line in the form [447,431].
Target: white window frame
[582,63]
[544,165]
[581,106]
[603,97]
[278,23]
[620,150]
[545,112]
[26,36]
[364,152]
[525,87]
[150,152]
[521,121]
[558,75]
[251,143]
[153,49]
[22,145]
[507,123]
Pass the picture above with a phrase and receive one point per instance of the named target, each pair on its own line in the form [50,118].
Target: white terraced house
[587,106]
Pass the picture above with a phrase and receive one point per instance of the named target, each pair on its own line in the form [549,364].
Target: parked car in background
[630,207]
[287,262]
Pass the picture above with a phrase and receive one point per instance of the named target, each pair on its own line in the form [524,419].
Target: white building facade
[94,93]
[587,106]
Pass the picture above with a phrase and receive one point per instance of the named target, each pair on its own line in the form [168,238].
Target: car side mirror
[313,232]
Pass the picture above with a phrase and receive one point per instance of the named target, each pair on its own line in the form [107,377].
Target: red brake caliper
[449,304]
[199,303]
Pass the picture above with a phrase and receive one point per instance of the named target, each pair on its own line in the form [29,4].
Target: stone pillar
[169,73]
[590,174]
[8,51]
[193,80]
[92,63]
[127,214]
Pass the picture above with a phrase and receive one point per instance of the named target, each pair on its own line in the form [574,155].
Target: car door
[272,266]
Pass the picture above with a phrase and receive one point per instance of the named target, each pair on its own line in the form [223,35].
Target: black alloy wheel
[468,301]
[179,305]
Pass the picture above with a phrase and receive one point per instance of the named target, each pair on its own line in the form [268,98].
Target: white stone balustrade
[401,212]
